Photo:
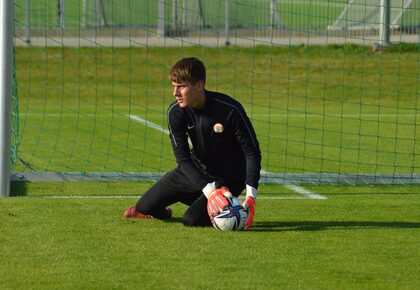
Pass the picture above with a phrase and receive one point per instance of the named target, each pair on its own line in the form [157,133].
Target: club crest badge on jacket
[218,128]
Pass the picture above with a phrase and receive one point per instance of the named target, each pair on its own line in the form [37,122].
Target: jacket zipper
[200,134]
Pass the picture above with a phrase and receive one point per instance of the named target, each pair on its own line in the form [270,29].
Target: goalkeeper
[225,152]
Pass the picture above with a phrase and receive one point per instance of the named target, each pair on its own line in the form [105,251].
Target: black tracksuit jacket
[224,143]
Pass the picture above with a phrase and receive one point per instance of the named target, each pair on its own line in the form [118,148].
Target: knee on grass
[193,221]
[143,209]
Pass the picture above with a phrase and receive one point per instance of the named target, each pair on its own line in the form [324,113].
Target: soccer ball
[232,217]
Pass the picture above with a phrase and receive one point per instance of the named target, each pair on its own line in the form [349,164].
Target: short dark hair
[189,69]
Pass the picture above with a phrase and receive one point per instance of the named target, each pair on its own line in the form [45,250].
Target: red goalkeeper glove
[217,200]
[249,203]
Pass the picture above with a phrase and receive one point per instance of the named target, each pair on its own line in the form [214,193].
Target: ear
[199,85]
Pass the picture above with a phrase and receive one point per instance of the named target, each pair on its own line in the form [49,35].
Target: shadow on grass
[18,188]
[319,225]
[325,225]
[173,220]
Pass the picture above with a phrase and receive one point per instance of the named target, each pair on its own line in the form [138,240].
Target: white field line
[294,188]
[152,125]
[304,192]
[149,124]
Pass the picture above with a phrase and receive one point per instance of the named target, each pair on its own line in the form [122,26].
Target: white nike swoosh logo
[190,127]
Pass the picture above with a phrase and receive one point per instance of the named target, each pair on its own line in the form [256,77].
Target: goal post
[384,22]
[6,82]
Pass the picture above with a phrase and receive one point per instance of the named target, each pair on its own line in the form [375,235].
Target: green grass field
[358,238]
[315,110]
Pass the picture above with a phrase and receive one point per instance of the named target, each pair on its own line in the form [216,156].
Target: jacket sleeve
[177,125]
[247,139]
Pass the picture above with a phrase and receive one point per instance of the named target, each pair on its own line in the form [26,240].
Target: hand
[249,204]
[217,200]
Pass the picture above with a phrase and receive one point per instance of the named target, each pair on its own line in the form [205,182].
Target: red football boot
[132,212]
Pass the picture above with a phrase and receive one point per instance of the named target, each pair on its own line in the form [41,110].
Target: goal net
[93,87]
[365,14]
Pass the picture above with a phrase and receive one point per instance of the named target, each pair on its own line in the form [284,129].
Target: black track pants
[176,187]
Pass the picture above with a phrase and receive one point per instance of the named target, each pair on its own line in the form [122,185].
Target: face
[189,95]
